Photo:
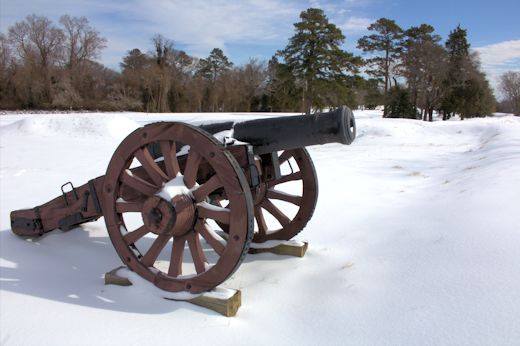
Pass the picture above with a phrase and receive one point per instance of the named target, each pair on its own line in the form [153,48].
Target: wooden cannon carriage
[207,187]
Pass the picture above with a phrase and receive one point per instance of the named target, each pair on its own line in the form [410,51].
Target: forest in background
[412,72]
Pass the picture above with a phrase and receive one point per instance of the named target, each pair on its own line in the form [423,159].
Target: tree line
[510,88]
[46,65]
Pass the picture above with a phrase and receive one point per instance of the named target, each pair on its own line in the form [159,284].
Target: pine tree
[386,41]
[134,60]
[318,63]
[423,64]
[214,65]
[281,90]
[413,56]
[467,92]
[477,99]
[135,67]
[212,69]
[370,93]
[399,105]
[457,47]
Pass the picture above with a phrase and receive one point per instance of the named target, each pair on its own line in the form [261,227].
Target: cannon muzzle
[290,132]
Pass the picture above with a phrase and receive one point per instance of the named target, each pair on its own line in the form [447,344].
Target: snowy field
[415,240]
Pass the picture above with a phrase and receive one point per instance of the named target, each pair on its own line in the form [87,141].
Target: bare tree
[253,75]
[6,67]
[39,44]
[161,77]
[82,42]
[5,52]
[5,56]
[385,43]
[430,78]
[510,87]
[418,42]
[36,37]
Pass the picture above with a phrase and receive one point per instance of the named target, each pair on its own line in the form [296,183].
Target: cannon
[182,204]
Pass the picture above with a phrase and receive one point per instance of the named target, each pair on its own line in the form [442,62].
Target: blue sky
[258,28]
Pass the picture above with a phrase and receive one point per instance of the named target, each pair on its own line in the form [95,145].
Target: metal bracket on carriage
[225,301]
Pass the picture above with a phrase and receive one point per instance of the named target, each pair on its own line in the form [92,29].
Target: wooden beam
[227,306]
[288,248]
[224,301]
[111,278]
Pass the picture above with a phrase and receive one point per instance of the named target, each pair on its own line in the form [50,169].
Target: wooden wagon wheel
[172,201]
[306,202]
[299,163]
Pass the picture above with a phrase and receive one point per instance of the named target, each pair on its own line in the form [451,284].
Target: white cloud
[202,25]
[198,25]
[500,57]
[499,53]
[356,24]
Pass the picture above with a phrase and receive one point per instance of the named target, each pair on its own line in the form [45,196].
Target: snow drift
[414,241]
[114,126]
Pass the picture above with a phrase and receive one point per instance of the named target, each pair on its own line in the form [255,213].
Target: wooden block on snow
[111,278]
[227,305]
[287,248]
[222,300]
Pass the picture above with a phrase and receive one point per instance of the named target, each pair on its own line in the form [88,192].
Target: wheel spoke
[199,259]
[156,248]
[150,166]
[286,155]
[217,202]
[277,213]
[192,166]
[283,196]
[169,152]
[132,237]
[211,237]
[208,187]
[260,220]
[210,211]
[175,268]
[138,184]
[129,207]
[285,178]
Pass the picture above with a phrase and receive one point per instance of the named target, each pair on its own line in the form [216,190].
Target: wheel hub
[176,217]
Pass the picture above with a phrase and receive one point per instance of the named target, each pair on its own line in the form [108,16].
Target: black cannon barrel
[290,132]
[213,128]
[272,134]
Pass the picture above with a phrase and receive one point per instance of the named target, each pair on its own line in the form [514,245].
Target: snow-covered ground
[415,240]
